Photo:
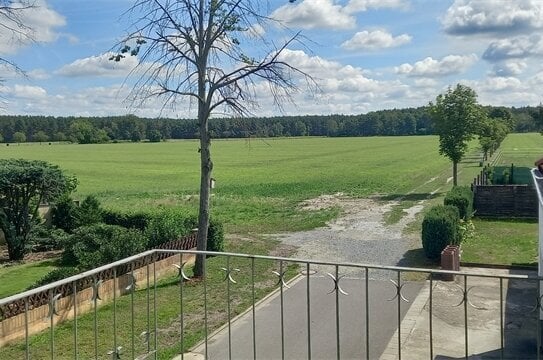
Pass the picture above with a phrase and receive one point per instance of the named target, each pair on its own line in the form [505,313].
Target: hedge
[138,220]
[439,229]
[100,244]
[462,198]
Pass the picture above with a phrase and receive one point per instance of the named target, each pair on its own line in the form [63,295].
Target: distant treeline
[410,121]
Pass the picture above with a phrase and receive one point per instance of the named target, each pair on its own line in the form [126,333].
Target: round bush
[439,229]
[462,198]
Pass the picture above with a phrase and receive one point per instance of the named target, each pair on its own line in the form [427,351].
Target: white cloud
[518,47]
[99,66]
[429,67]
[466,17]
[311,14]
[28,92]
[38,74]
[42,23]
[509,68]
[364,5]
[374,40]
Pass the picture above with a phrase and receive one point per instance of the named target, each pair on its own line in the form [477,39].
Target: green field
[259,182]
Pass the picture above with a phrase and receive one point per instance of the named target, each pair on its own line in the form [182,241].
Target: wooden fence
[505,201]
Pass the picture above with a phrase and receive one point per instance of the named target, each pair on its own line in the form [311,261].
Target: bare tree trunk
[205,155]
[206,166]
[455,173]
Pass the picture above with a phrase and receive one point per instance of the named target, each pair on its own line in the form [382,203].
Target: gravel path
[358,236]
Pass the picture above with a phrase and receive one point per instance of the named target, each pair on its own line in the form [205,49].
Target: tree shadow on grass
[409,197]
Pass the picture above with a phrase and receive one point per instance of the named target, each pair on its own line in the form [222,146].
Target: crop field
[259,182]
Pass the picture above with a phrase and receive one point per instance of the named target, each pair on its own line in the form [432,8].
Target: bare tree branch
[205,51]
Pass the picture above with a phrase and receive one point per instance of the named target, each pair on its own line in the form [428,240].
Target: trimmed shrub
[461,197]
[55,275]
[65,214]
[128,220]
[99,244]
[439,229]
[215,236]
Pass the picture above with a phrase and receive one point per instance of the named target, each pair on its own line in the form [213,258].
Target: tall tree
[24,185]
[204,51]
[456,114]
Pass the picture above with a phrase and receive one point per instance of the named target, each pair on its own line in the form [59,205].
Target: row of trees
[410,121]
[458,118]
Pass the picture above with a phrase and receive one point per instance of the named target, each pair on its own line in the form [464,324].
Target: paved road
[383,322]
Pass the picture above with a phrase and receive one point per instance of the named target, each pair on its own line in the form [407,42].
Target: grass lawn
[17,277]
[503,242]
[259,182]
[168,310]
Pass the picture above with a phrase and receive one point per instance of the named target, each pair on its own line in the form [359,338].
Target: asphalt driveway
[352,316]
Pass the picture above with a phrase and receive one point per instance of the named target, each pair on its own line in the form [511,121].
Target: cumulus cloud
[374,40]
[311,14]
[99,65]
[509,68]
[364,5]
[465,17]
[328,14]
[28,92]
[429,67]
[42,25]
[518,47]
[38,74]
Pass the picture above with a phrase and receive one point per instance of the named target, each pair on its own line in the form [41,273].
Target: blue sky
[366,55]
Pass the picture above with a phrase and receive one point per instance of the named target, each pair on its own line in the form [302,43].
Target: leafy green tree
[40,136]
[24,185]
[154,135]
[84,132]
[456,115]
[201,49]
[19,137]
[60,136]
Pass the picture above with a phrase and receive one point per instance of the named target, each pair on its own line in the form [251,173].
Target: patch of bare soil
[31,257]
[358,235]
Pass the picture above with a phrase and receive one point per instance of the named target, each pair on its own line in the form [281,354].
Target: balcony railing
[148,309]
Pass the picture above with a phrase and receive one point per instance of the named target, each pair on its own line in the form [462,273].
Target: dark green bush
[461,197]
[90,212]
[128,220]
[215,236]
[99,244]
[168,225]
[439,229]
[55,275]
[65,214]
[43,238]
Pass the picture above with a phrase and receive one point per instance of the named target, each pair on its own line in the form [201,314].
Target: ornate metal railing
[297,301]
[41,298]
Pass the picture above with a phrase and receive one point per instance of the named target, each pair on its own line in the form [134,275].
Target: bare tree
[13,27]
[204,51]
